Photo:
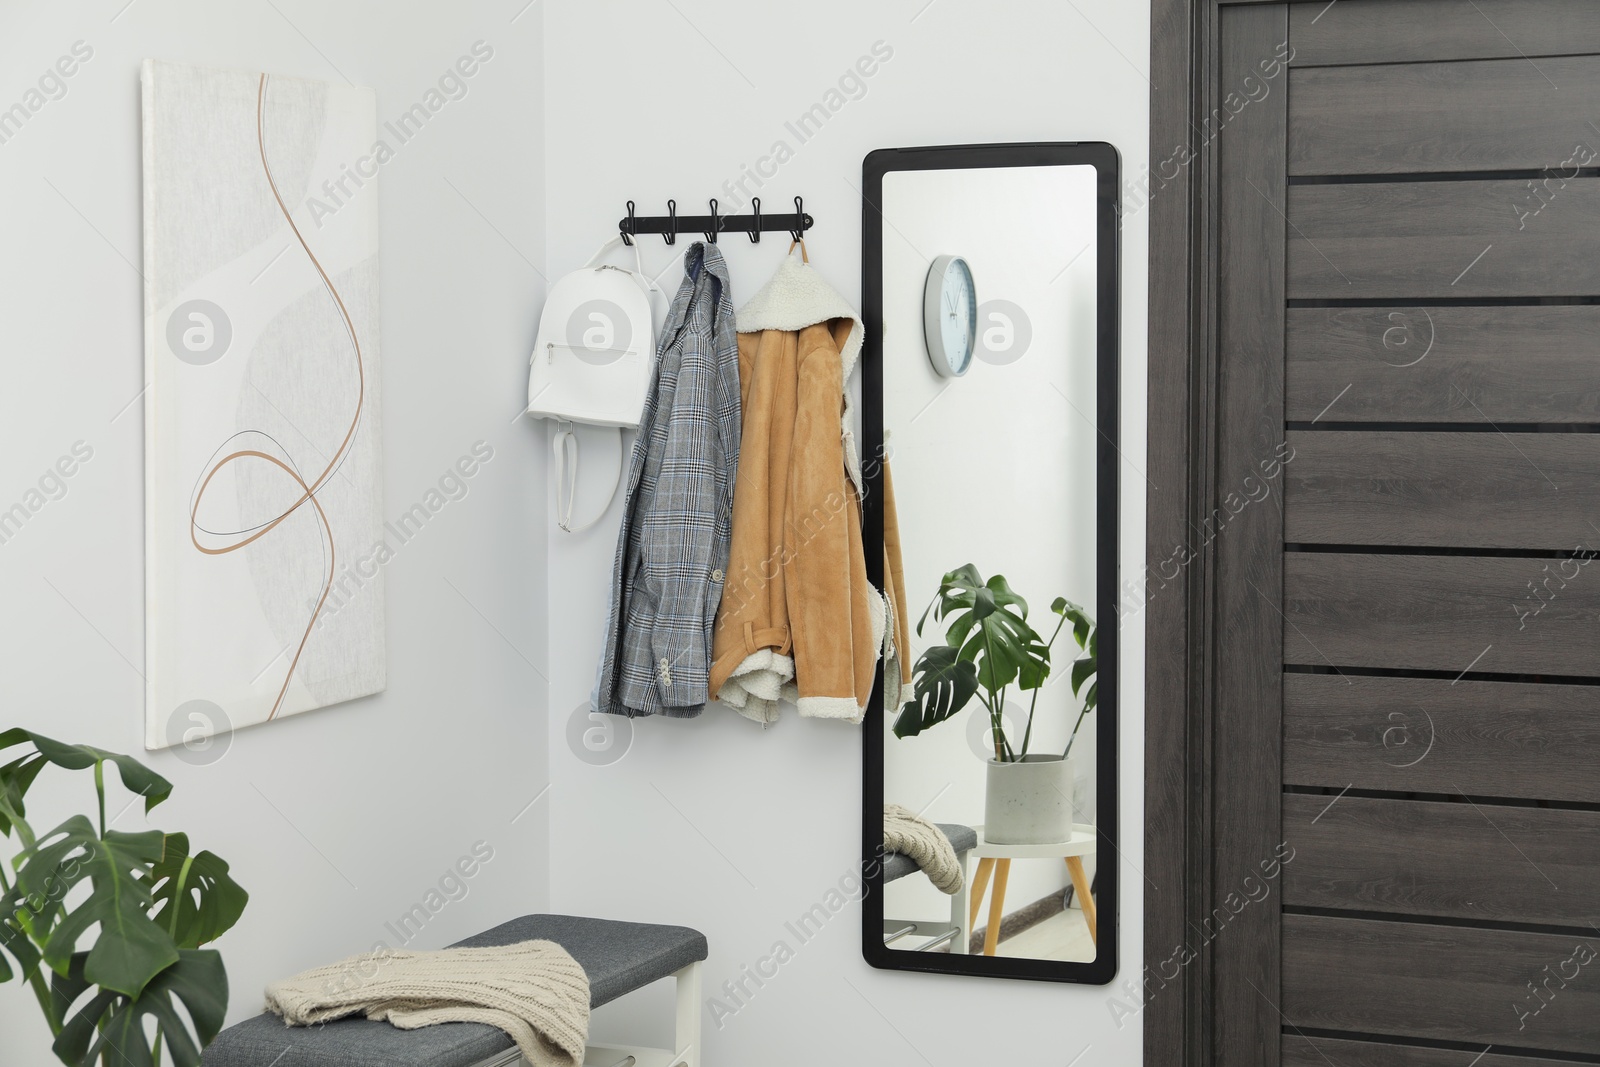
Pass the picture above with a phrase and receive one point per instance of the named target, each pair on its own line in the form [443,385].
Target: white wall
[714,822]
[339,820]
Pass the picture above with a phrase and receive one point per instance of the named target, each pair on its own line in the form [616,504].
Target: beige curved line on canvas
[308,490]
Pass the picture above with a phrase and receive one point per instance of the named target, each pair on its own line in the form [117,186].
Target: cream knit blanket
[534,991]
[921,842]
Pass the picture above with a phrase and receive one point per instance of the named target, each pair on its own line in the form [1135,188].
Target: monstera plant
[989,645]
[149,901]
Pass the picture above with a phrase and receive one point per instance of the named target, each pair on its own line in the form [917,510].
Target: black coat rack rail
[755,224]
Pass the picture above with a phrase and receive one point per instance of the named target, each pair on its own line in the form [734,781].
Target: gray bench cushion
[962,839]
[618,957]
[265,1042]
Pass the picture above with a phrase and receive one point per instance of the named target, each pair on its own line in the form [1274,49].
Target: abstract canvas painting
[262,463]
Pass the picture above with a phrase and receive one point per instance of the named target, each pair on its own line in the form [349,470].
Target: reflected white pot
[1028,803]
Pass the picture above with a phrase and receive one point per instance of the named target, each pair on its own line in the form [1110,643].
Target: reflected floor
[1063,936]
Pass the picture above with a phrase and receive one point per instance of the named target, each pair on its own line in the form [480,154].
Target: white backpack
[591,363]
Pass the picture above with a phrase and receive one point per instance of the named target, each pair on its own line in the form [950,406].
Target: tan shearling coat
[798,619]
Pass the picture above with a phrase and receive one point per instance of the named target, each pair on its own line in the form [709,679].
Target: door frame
[1176,993]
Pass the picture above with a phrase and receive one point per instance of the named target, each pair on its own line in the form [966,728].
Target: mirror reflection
[989,397]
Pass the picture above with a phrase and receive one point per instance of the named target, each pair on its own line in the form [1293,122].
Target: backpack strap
[564,447]
[643,280]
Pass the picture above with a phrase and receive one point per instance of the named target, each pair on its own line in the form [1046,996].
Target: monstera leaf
[20,774]
[196,900]
[46,873]
[1087,635]
[131,948]
[15,778]
[942,685]
[14,940]
[109,1027]
[988,623]
[1084,670]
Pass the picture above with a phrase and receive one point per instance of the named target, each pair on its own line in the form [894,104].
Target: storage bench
[958,929]
[618,957]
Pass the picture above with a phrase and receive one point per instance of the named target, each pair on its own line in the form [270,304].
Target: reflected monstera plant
[106,926]
[989,646]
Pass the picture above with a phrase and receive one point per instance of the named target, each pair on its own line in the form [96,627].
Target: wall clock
[950,316]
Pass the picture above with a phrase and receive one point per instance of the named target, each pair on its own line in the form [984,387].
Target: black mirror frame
[1104,158]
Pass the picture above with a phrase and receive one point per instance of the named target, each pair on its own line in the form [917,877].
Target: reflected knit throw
[534,991]
[921,842]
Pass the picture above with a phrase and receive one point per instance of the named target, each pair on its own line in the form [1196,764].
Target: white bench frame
[686,1040]
[957,933]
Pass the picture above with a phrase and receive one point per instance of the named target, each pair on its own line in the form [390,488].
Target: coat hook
[627,231]
[755,231]
[712,236]
[671,236]
[799,231]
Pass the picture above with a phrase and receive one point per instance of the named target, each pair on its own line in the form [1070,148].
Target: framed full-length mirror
[989,422]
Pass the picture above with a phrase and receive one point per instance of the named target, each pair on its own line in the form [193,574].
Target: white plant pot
[1028,803]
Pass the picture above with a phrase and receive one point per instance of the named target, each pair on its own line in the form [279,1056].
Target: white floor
[1064,936]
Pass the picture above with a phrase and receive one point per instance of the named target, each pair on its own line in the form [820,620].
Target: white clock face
[950,308]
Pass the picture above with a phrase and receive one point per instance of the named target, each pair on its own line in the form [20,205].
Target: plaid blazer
[672,550]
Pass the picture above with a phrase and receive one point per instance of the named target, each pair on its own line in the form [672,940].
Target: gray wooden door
[1406,744]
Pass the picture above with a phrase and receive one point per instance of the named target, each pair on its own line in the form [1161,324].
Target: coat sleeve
[679,531]
[824,571]
[691,513]
[894,580]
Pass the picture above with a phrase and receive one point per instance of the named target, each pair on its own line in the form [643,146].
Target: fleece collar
[797,297]
[794,298]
